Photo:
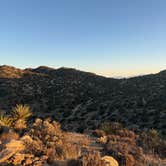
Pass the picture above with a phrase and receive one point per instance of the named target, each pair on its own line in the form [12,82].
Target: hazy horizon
[113,75]
[114,38]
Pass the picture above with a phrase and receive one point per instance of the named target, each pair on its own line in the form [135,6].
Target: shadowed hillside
[81,100]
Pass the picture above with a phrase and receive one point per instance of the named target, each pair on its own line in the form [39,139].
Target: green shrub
[111,127]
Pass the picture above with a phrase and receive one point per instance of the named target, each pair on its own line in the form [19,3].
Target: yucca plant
[20,114]
[5,121]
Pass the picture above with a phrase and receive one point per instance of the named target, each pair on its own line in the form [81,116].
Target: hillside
[43,143]
[81,100]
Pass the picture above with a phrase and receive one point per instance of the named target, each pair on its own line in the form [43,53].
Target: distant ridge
[10,72]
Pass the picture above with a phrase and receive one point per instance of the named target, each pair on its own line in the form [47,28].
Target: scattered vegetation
[129,148]
[153,143]
[44,143]
[71,96]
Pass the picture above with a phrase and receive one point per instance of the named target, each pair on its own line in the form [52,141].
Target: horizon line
[100,73]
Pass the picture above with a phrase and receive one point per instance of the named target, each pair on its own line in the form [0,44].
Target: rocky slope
[81,100]
[45,144]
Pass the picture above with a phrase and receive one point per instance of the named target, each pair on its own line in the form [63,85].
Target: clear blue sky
[109,37]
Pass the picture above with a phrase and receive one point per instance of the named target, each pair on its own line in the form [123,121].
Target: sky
[107,37]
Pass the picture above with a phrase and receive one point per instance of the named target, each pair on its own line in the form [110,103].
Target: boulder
[109,161]
[10,149]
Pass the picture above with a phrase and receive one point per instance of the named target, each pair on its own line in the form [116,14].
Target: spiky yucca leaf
[21,112]
[5,121]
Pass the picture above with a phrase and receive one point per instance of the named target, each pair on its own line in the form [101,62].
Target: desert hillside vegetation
[81,100]
[41,142]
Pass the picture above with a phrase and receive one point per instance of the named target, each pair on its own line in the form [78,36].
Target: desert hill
[81,100]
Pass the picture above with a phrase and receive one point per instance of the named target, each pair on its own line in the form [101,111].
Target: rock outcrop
[11,148]
[109,161]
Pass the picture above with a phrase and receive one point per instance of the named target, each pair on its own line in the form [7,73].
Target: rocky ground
[43,143]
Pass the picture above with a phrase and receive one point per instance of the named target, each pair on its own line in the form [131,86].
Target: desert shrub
[72,151]
[110,127]
[121,143]
[126,133]
[151,160]
[152,143]
[48,139]
[47,132]
[91,159]
[98,133]
[125,150]
[131,149]
[33,146]
[50,152]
